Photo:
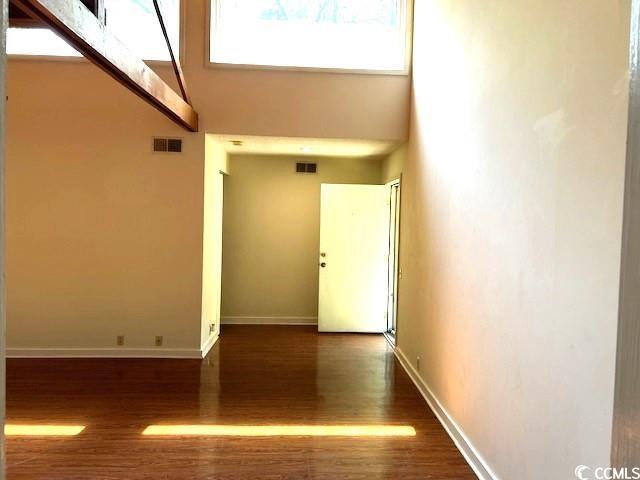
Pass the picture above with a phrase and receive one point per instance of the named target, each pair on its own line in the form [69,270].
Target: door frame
[4,10]
[394,243]
[625,450]
[369,306]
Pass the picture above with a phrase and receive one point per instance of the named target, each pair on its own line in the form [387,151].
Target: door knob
[323,264]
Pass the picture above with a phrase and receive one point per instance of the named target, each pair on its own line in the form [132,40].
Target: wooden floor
[253,376]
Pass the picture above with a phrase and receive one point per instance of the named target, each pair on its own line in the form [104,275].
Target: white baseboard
[114,352]
[242,320]
[208,345]
[104,353]
[470,453]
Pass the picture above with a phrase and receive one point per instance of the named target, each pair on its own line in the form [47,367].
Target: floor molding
[208,345]
[104,353]
[245,320]
[471,455]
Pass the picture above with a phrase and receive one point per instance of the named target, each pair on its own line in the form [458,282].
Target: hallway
[253,376]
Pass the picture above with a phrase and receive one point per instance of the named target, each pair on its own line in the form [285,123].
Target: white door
[354,244]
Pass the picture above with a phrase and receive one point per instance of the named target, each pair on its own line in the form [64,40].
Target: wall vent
[167,145]
[306,167]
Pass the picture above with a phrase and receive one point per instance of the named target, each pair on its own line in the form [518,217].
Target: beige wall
[511,224]
[104,238]
[272,234]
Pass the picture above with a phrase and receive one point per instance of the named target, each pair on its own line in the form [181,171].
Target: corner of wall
[216,165]
[393,164]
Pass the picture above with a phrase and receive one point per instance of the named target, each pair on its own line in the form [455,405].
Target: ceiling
[312,147]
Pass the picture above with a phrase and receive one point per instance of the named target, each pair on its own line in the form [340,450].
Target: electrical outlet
[120,340]
[418,363]
[158,340]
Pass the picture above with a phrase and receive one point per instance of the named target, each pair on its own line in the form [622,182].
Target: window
[335,34]
[134,22]
[37,41]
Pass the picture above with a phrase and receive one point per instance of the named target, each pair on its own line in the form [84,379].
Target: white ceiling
[314,147]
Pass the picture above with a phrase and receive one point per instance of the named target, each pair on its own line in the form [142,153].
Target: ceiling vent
[167,145]
[306,167]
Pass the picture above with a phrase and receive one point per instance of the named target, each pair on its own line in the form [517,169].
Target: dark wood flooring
[253,376]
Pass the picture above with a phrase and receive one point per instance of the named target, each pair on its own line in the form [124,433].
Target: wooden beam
[20,19]
[25,22]
[174,50]
[79,27]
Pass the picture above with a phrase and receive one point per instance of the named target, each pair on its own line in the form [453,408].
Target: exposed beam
[79,27]
[20,19]
[25,22]
[174,51]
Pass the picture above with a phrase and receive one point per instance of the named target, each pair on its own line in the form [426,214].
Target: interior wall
[104,238]
[215,168]
[272,235]
[511,225]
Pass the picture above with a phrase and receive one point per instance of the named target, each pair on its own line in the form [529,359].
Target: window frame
[81,58]
[407,18]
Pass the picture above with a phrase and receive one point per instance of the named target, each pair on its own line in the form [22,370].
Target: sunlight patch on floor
[281,430]
[15,430]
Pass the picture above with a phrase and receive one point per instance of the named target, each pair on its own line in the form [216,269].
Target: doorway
[354,246]
[358,262]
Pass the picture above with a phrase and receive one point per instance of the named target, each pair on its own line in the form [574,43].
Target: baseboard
[104,353]
[242,320]
[113,352]
[208,345]
[470,453]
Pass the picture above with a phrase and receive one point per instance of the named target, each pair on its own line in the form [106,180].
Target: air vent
[306,167]
[174,145]
[167,145]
